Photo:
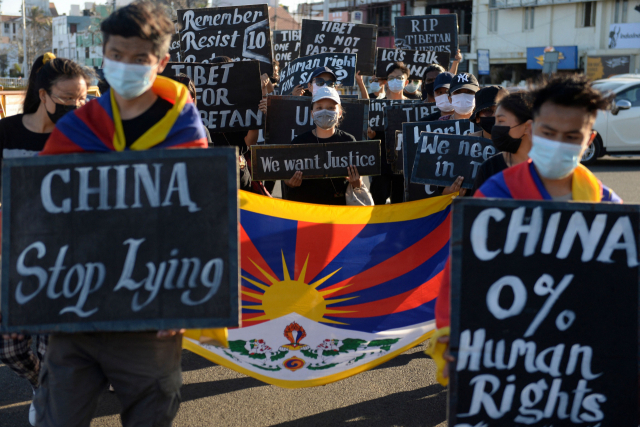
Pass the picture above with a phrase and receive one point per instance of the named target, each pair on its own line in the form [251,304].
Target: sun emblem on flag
[282,297]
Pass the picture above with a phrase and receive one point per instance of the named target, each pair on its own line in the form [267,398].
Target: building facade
[79,37]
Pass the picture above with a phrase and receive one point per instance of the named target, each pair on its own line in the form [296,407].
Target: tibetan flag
[331,291]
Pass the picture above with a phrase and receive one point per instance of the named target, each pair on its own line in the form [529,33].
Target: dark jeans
[385,186]
[143,369]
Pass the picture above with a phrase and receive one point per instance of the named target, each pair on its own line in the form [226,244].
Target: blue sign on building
[483,62]
[568,57]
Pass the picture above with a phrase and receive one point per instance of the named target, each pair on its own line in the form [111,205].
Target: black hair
[44,76]
[142,19]
[185,80]
[434,67]
[518,104]
[570,90]
[398,66]
[220,60]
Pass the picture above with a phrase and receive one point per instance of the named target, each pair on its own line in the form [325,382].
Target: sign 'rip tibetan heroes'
[82,249]
[428,32]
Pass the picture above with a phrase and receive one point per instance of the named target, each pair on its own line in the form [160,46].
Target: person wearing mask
[388,185]
[56,86]
[327,114]
[144,367]
[412,90]
[462,96]
[441,91]
[432,72]
[564,111]
[376,87]
[484,115]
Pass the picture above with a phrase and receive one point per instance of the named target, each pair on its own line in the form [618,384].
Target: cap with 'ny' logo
[464,81]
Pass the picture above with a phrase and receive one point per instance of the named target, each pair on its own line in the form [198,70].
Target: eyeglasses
[319,81]
[68,101]
[401,78]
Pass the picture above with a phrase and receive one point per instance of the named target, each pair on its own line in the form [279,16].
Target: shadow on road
[610,164]
[422,407]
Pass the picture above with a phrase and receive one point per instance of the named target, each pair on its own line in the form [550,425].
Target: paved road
[400,392]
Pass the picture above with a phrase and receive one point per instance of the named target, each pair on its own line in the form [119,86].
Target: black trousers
[385,186]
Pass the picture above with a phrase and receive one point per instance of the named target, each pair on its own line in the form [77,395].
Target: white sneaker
[32,412]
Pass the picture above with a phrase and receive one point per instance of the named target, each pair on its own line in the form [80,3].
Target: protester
[484,115]
[387,184]
[144,367]
[412,90]
[432,72]
[56,86]
[462,96]
[376,86]
[441,91]
[327,112]
[564,111]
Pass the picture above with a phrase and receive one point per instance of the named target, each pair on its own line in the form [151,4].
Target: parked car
[617,128]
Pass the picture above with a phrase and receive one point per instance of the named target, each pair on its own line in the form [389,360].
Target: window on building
[620,11]
[86,52]
[587,14]
[7,28]
[55,51]
[73,28]
[528,18]
[14,28]
[493,21]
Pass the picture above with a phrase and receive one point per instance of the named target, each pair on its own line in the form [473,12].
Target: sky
[12,7]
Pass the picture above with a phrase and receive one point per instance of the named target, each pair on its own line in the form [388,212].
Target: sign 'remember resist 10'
[428,32]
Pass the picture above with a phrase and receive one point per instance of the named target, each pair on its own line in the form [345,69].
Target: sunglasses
[319,81]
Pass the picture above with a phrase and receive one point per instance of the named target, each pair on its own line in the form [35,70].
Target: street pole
[275,16]
[24,41]
[326,10]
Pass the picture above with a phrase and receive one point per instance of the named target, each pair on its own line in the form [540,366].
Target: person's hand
[13,336]
[297,91]
[359,79]
[458,56]
[455,187]
[267,87]
[354,177]
[167,333]
[447,356]
[262,106]
[295,181]
[370,133]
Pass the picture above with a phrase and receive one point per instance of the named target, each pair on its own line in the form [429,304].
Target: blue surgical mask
[374,87]
[128,80]
[395,85]
[411,87]
[553,159]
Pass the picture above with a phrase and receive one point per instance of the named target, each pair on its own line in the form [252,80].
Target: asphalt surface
[401,392]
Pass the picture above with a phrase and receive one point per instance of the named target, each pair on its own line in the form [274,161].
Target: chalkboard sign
[416,60]
[286,46]
[376,111]
[544,314]
[299,70]
[120,242]
[441,158]
[239,32]
[227,95]
[290,116]
[271,162]
[411,136]
[428,32]
[396,115]
[328,36]
[174,48]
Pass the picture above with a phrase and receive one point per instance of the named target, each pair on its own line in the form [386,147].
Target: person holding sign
[327,114]
[441,87]
[142,111]
[462,96]
[564,111]
[376,86]
[431,74]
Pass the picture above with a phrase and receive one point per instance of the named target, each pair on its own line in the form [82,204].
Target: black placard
[239,32]
[328,36]
[174,48]
[417,60]
[376,111]
[428,32]
[227,95]
[290,116]
[271,162]
[299,70]
[396,115]
[120,242]
[539,329]
[286,46]
[440,159]
[410,137]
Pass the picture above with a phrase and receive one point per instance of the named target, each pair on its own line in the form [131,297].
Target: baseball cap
[319,71]
[464,81]
[324,92]
[486,97]
[443,80]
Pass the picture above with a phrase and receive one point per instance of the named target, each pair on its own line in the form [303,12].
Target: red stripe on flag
[520,182]
[98,121]
[58,143]
[248,253]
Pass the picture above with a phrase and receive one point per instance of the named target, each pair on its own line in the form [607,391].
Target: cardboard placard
[174,48]
[541,334]
[416,60]
[411,136]
[299,70]
[441,158]
[286,46]
[376,111]
[227,95]
[397,114]
[82,251]
[330,160]
[428,32]
[239,32]
[290,116]
[328,36]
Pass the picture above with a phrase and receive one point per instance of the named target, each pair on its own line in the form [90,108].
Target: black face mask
[503,141]
[61,110]
[487,123]
[428,89]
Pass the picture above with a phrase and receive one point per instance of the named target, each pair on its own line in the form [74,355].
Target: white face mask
[463,103]
[411,87]
[395,85]
[128,80]
[374,87]
[443,104]
[553,159]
